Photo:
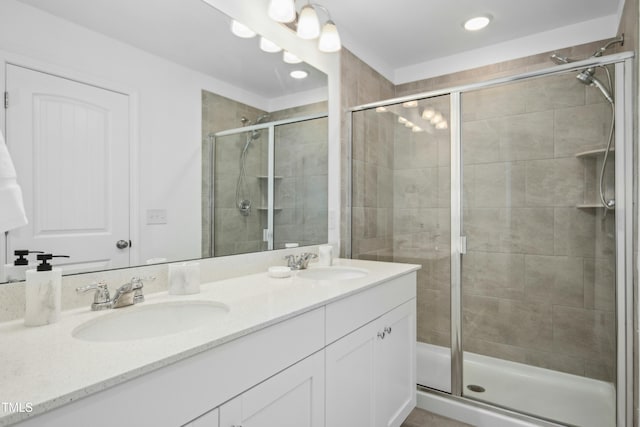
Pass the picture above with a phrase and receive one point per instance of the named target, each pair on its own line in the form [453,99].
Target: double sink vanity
[331,346]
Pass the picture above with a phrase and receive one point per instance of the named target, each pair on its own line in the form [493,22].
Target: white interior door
[70,145]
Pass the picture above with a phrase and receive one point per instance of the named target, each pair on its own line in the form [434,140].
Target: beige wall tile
[583,333]
[554,280]
[574,232]
[494,274]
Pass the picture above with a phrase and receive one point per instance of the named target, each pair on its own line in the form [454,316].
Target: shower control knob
[381,335]
[122,244]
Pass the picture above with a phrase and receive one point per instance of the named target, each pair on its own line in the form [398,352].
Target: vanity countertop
[46,367]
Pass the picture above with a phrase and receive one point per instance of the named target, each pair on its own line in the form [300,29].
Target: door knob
[122,244]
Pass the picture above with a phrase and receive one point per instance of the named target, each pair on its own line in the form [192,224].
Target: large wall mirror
[146,131]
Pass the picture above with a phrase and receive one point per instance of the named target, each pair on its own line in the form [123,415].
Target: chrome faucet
[128,294]
[301,262]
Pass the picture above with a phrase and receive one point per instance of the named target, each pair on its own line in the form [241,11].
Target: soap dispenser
[16,272]
[43,292]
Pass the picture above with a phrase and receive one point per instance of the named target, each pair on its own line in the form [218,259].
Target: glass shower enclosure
[269,186]
[501,191]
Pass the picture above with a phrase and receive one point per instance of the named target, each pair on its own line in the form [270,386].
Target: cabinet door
[395,381]
[350,379]
[371,372]
[292,398]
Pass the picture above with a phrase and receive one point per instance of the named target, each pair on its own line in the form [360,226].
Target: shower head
[587,77]
[262,117]
[560,59]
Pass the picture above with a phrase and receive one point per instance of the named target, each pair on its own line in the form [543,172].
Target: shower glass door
[401,209]
[538,276]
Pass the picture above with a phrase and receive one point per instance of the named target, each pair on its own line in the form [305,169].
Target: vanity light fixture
[428,113]
[402,120]
[409,124]
[477,23]
[329,40]
[380,109]
[437,118]
[282,10]
[416,129]
[290,58]
[269,46]
[442,125]
[241,30]
[298,74]
[308,23]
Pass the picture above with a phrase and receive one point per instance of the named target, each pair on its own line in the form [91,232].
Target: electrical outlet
[156,216]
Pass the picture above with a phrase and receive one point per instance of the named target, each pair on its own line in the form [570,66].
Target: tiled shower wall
[538,278]
[238,234]
[300,189]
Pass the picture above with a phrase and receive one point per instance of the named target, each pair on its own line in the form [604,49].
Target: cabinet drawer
[350,313]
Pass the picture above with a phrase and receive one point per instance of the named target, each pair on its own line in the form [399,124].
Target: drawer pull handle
[387,329]
[381,335]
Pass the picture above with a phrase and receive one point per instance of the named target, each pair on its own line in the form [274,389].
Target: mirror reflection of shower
[588,77]
[243,193]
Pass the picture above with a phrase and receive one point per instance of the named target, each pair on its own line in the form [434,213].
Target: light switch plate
[156,216]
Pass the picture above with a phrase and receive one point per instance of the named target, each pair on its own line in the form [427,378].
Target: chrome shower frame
[624,154]
[270,126]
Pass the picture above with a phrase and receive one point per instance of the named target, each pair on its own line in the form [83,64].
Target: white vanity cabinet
[292,398]
[347,362]
[370,373]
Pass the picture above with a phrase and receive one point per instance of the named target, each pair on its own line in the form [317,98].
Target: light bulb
[416,129]
[282,10]
[442,125]
[241,30]
[329,38]
[437,118]
[290,58]
[380,109]
[402,120]
[308,24]
[477,23]
[269,46]
[409,124]
[298,74]
[428,113]
[410,104]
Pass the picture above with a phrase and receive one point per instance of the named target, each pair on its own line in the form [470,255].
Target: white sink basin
[333,273]
[148,321]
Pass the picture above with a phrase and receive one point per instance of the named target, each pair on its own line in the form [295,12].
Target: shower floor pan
[548,394]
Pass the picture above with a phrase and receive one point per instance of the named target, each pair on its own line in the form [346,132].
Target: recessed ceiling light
[298,74]
[477,23]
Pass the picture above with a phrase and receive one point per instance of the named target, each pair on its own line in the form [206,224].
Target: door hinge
[6,100]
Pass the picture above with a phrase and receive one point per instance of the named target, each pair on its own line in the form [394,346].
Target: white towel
[12,213]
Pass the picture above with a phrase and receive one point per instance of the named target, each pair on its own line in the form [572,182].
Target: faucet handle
[137,282]
[101,299]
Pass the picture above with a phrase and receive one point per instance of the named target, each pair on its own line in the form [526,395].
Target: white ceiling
[402,39]
[392,35]
[190,33]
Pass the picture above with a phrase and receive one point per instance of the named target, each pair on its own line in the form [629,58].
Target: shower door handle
[463,245]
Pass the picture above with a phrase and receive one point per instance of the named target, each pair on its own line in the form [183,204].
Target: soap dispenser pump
[16,272]
[43,292]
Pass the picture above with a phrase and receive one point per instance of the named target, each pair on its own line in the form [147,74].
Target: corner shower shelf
[266,177]
[264,208]
[593,153]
